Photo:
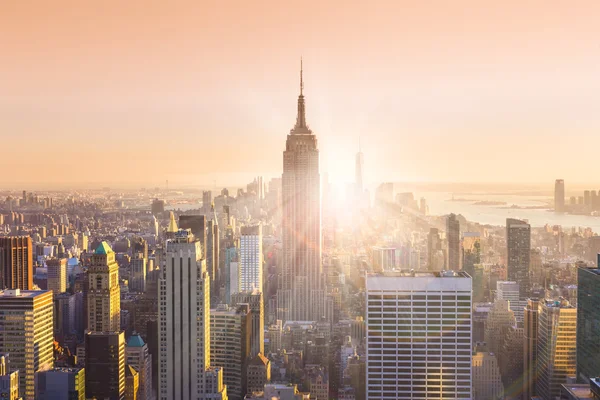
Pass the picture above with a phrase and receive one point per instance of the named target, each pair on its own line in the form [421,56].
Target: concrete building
[556,355]
[9,380]
[435,254]
[487,381]
[518,250]
[184,323]
[104,293]
[384,258]
[251,258]
[471,252]
[132,383]
[16,263]
[510,291]
[65,309]
[105,365]
[258,374]
[453,237]
[256,302]
[230,332]
[415,321]
[57,275]
[530,340]
[138,356]
[60,384]
[284,392]
[137,278]
[26,333]
[588,324]
[301,294]
[500,320]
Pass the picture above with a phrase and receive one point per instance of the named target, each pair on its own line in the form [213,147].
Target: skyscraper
[471,252]
[559,195]
[530,337]
[230,333]
[138,357]
[137,280]
[105,365]
[251,258]
[57,275]
[301,294]
[9,380]
[435,259]
[518,250]
[104,293]
[16,263]
[256,302]
[419,335]
[453,236]
[26,334]
[557,334]
[60,384]
[588,323]
[184,321]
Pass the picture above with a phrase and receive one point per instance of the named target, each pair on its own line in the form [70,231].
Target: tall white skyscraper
[251,258]
[301,293]
[419,335]
[184,321]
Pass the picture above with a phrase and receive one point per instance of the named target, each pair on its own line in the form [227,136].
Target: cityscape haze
[299,201]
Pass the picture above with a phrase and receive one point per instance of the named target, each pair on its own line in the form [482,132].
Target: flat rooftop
[19,294]
[405,273]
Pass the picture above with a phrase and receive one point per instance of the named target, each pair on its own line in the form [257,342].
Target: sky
[204,92]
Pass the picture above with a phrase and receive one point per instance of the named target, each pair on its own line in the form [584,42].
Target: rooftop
[405,273]
[103,248]
[135,341]
[17,293]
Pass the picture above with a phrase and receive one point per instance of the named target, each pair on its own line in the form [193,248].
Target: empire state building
[301,292]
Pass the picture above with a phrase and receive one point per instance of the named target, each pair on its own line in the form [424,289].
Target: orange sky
[196,91]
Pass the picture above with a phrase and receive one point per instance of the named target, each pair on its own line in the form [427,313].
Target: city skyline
[137,76]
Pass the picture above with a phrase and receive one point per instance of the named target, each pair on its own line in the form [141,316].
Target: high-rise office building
[510,291]
[556,355]
[518,250]
[197,224]
[256,302]
[301,295]
[471,252]
[65,315]
[9,379]
[258,374]
[206,201]
[16,263]
[57,275]
[213,247]
[132,383]
[419,335]
[105,365]
[60,384]
[26,327]
[138,356]
[230,332]
[137,280]
[453,237]
[487,381]
[435,255]
[104,292]
[559,195]
[184,322]
[588,323]
[530,337]
[251,258]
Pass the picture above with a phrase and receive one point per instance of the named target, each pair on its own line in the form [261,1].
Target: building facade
[26,334]
[487,381]
[530,338]
[256,302]
[453,237]
[60,384]
[556,355]
[138,356]
[230,332]
[16,263]
[57,275]
[419,335]
[251,258]
[518,249]
[105,365]
[301,294]
[104,292]
[588,324]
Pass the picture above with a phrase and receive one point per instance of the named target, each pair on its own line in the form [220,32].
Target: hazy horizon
[118,94]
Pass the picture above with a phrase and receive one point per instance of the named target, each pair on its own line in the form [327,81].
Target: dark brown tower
[16,263]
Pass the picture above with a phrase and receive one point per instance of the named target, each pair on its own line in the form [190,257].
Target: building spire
[301,117]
